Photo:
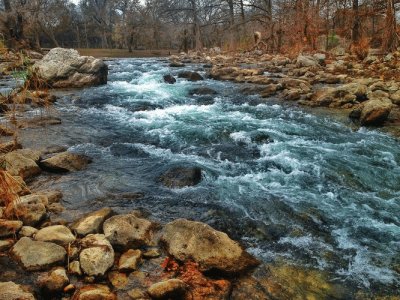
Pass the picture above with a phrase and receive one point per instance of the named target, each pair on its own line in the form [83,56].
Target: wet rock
[9,228]
[202,91]
[94,292]
[191,76]
[97,256]
[181,177]
[211,249]
[35,256]
[5,245]
[375,112]
[172,288]
[65,68]
[27,231]
[17,164]
[53,281]
[65,162]
[92,223]
[58,234]
[130,260]
[74,268]
[11,291]
[128,231]
[169,79]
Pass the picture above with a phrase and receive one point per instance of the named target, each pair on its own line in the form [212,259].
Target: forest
[285,25]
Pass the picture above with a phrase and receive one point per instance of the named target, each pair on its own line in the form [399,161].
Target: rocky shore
[106,255]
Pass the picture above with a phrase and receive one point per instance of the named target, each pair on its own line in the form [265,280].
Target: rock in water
[375,112]
[11,291]
[169,79]
[97,256]
[65,68]
[35,256]
[169,289]
[91,223]
[126,231]
[65,162]
[58,234]
[181,177]
[211,249]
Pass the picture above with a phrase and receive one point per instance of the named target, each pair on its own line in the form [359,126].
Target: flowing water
[292,186]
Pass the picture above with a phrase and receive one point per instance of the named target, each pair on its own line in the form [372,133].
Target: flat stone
[97,256]
[130,260]
[65,162]
[35,255]
[58,234]
[11,291]
[94,292]
[9,228]
[91,223]
[172,288]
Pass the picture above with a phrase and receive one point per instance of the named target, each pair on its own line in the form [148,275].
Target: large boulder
[128,231]
[65,68]
[11,291]
[65,162]
[375,112]
[58,234]
[181,177]
[211,249]
[97,256]
[35,256]
[21,164]
[91,223]
[307,61]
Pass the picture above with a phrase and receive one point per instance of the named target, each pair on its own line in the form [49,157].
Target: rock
[91,223]
[5,245]
[137,294]
[53,196]
[94,292]
[169,79]
[211,249]
[74,268]
[53,281]
[9,146]
[17,164]
[30,153]
[58,234]
[97,256]
[320,57]
[65,68]
[176,64]
[191,76]
[9,228]
[55,208]
[375,112]
[291,95]
[35,256]
[202,91]
[129,260]
[29,209]
[181,177]
[65,162]
[118,280]
[2,209]
[5,131]
[27,231]
[395,97]
[11,291]
[172,288]
[306,61]
[128,231]
[152,253]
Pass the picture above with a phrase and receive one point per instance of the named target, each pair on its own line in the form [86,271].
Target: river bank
[102,185]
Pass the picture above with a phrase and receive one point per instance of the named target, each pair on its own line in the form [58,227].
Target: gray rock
[181,177]
[211,249]
[11,291]
[58,234]
[35,256]
[65,68]
[97,256]
[306,61]
[91,223]
[128,231]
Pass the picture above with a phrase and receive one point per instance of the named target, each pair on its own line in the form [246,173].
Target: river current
[290,185]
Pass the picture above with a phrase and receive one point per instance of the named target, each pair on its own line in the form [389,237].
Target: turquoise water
[290,185]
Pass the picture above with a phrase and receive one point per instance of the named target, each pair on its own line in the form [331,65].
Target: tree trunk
[355,33]
[391,37]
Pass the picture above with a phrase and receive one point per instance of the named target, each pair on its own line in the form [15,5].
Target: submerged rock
[35,256]
[11,291]
[97,256]
[65,162]
[211,249]
[91,223]
[65,68]
[169,289]
[58,234]
[191,76]
[128,231]
[202,91]
[169,79]
[181,177]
